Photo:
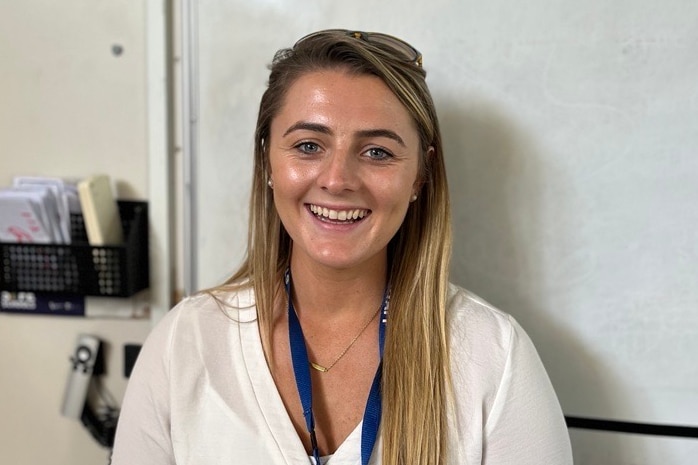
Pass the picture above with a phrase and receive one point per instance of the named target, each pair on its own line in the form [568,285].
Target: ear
[419,182]
[268,176]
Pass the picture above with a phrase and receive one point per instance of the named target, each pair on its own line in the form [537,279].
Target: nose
[340,172]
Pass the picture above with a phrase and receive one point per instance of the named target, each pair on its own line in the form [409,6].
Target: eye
[308,147]
[377,153]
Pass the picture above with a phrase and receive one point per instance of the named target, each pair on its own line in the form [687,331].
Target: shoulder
[478,329]
[474,321]
[483,340]
[207,313]
[234,304]
[198,332]
[503,396]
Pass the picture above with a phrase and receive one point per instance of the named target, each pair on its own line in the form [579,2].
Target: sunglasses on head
[401,49]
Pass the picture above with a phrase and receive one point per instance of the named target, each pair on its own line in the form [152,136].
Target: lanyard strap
[301,370]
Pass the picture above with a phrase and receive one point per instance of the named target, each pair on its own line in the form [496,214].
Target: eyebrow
[364,133]
[368,133]
[306,126]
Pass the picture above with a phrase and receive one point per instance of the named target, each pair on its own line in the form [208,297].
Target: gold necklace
[323,369]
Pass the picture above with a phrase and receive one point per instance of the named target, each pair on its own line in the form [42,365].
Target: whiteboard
[571,138]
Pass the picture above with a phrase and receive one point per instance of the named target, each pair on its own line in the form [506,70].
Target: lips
[328,214]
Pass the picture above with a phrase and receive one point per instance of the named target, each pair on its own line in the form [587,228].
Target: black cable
[630,427]
[101,420]
[102,429]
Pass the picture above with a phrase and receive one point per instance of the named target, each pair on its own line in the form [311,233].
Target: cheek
[289,173]
[401,188]
[285,179]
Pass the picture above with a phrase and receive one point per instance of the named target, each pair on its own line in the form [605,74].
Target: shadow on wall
[497,179]
[125,190]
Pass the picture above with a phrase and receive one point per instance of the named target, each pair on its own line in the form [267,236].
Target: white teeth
[338,215]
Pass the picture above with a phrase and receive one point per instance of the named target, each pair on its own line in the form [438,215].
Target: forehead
[336,97]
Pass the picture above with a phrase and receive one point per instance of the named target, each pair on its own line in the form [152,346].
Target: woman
[340,337]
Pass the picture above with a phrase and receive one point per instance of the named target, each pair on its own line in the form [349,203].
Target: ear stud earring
[413,198]
[270,183]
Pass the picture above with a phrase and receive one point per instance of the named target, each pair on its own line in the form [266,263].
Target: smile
[348,216]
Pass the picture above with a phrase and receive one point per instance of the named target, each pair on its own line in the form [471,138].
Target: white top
[201,393]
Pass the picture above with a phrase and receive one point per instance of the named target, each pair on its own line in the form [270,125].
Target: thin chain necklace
[323,369]
[299,358]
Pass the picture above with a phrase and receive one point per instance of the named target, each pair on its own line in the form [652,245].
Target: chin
[345,262]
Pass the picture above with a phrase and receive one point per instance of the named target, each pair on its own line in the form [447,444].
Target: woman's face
[344,159]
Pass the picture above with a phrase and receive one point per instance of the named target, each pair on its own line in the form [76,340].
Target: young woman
[340,339]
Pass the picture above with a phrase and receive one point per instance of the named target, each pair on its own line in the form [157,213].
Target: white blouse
[201,393]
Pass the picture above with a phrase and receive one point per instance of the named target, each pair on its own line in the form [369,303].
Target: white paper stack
[37,210]
[24,217]
[62,194]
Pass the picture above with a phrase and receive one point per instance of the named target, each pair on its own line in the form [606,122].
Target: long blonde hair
[415,380]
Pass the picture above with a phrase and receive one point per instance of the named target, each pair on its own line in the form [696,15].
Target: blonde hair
[415,381]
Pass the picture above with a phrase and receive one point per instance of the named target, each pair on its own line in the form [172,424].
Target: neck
[331,293]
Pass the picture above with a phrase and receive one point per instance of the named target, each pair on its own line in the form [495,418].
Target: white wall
[71,108]
[570,131]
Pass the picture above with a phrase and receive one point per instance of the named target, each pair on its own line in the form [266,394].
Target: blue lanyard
[301,369]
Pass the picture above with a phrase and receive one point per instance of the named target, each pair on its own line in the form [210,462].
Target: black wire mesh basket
[79,268]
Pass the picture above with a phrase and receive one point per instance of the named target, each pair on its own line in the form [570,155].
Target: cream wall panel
[70,108]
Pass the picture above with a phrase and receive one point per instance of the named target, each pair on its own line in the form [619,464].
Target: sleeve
[526,425]
[143,429]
